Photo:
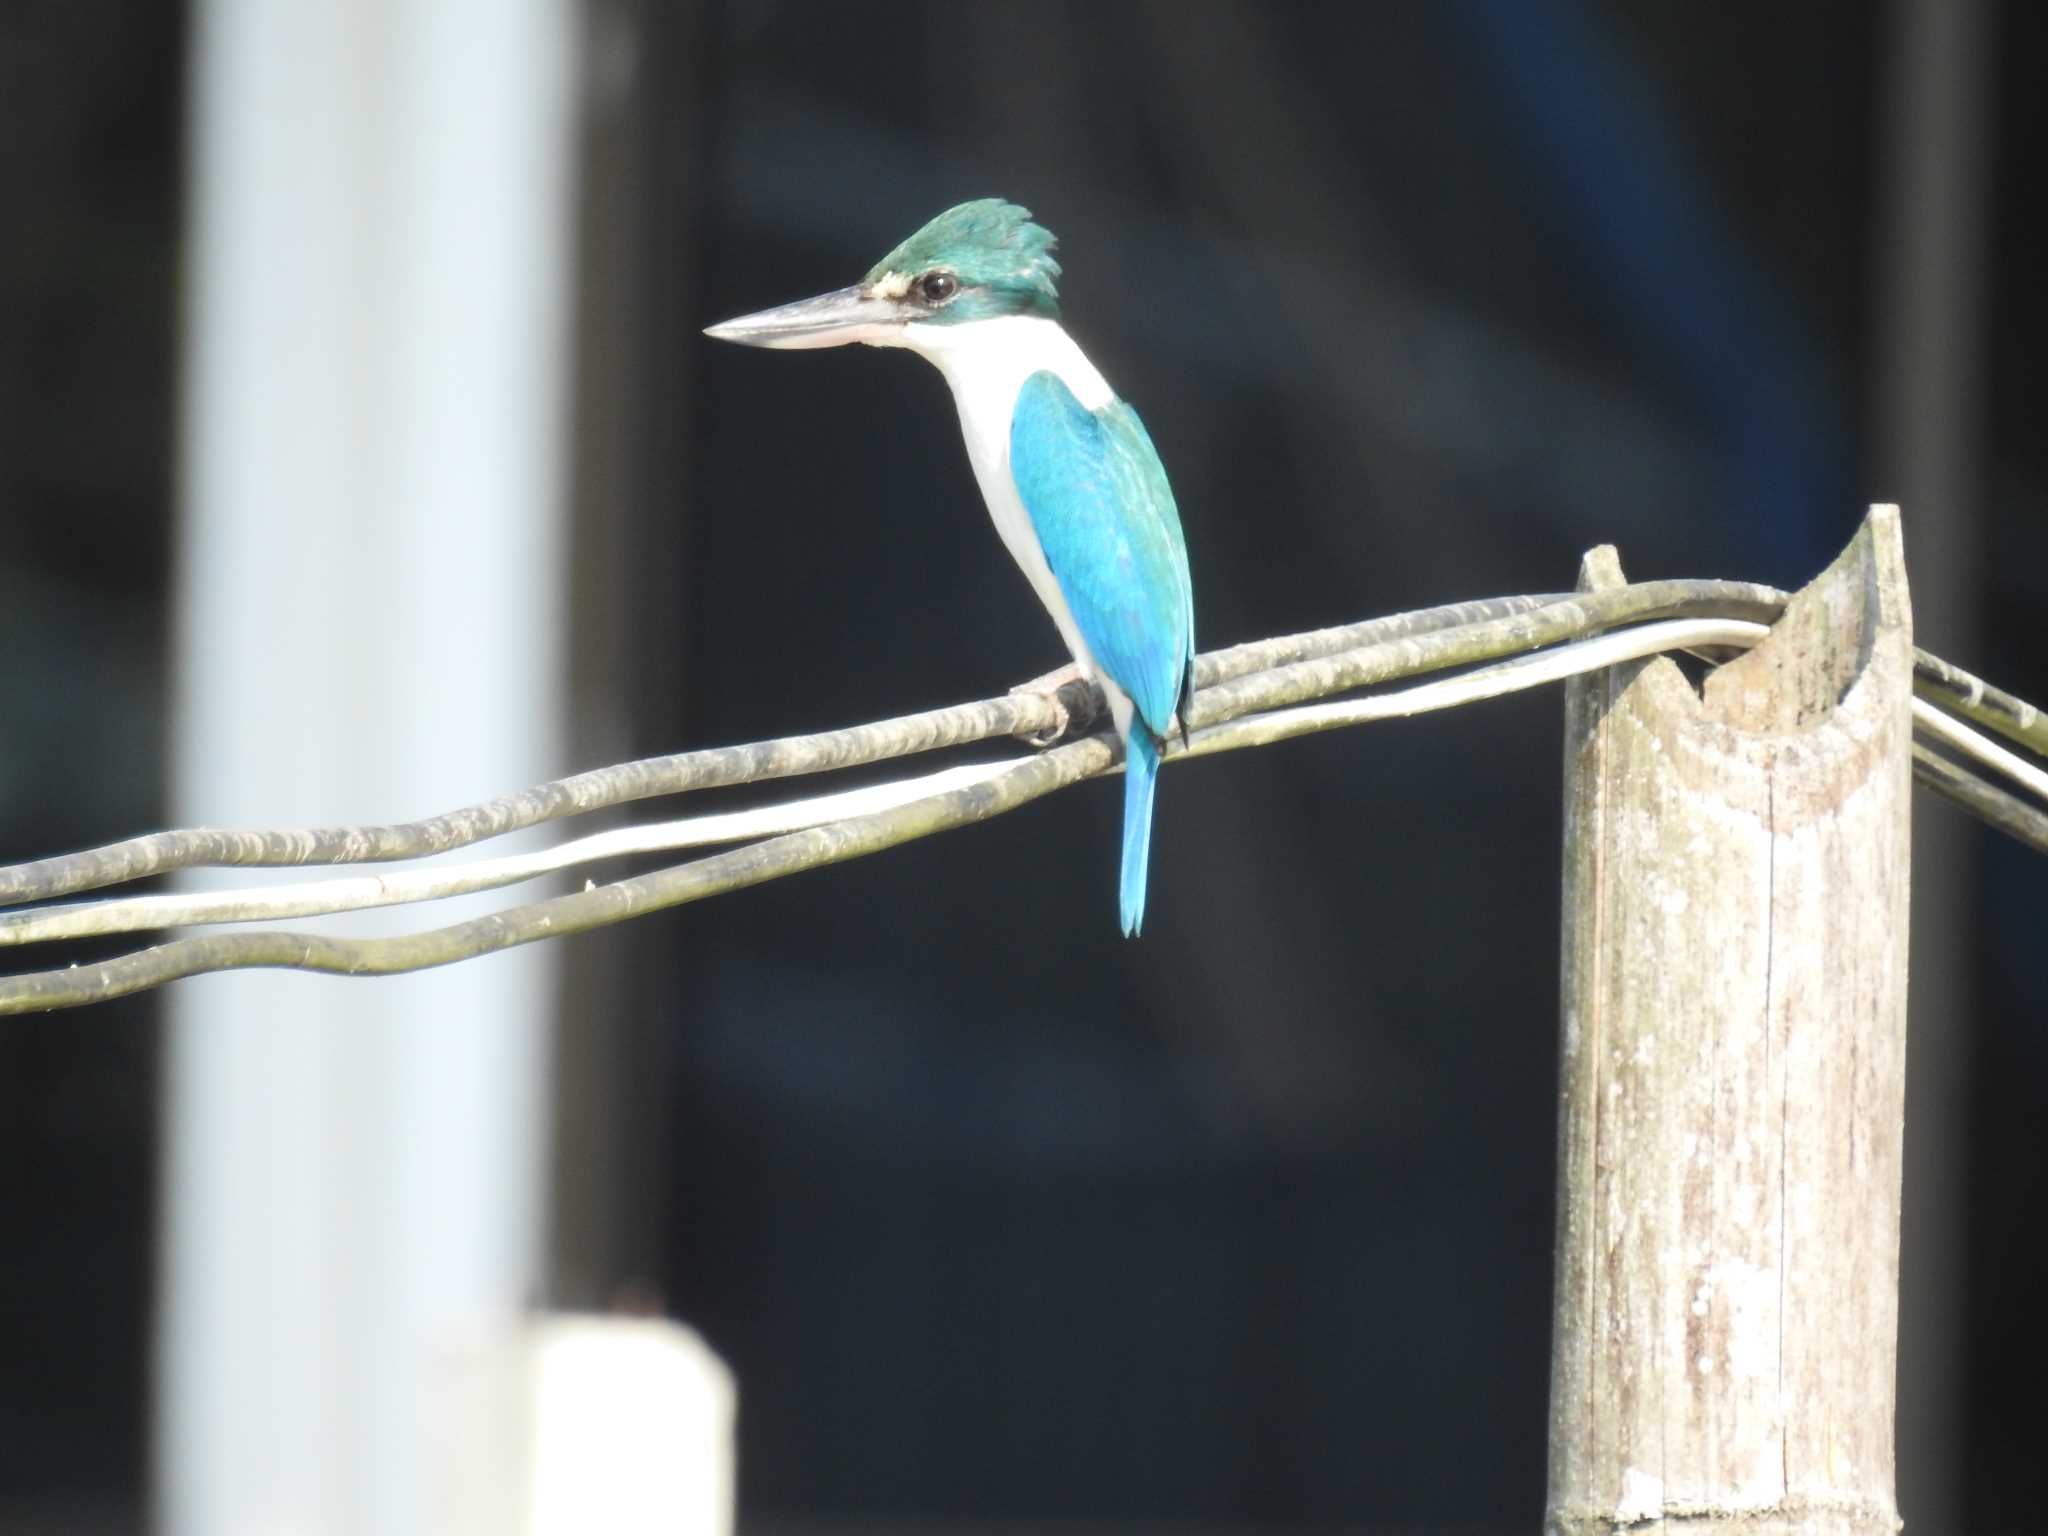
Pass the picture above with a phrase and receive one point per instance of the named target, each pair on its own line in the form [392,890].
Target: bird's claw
[1051,733]
[1072,699]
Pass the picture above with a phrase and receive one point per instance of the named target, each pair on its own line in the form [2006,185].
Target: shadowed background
[997,1217]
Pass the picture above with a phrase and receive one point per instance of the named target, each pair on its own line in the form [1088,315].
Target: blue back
[1099,502]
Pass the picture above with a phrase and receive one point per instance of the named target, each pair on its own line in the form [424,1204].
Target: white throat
[989,360]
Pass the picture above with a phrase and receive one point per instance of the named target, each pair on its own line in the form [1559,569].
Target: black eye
[937,287]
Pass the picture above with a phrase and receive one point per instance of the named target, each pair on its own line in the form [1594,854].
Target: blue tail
[1141,771]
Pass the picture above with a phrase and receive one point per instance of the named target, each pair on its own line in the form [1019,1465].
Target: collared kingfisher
[1070,476]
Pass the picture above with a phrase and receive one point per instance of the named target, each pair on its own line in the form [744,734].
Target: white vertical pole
[1731,1112]
[368,628]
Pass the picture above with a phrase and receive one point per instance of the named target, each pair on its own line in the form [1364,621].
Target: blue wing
[1104,514]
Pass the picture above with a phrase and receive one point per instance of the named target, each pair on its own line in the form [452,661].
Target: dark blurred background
[997,1217]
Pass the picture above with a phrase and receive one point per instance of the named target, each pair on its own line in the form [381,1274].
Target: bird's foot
[1074,700]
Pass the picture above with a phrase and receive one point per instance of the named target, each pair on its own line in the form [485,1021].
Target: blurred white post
[572,1425]
[368,621]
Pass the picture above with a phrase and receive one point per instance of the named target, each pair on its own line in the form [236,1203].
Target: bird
[1071,478]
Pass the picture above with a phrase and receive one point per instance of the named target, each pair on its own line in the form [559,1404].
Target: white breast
[986,362]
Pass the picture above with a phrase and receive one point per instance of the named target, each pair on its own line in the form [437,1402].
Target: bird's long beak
[829,320]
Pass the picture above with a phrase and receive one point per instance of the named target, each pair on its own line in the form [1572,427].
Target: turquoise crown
[1003,261]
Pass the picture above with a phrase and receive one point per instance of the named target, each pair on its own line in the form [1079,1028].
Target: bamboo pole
[1732,1078]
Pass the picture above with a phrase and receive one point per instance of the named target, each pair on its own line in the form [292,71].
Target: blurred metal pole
[630,439]
[1933,108]
[367,617]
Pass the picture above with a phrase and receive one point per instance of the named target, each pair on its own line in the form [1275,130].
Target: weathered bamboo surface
[1733,1075]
